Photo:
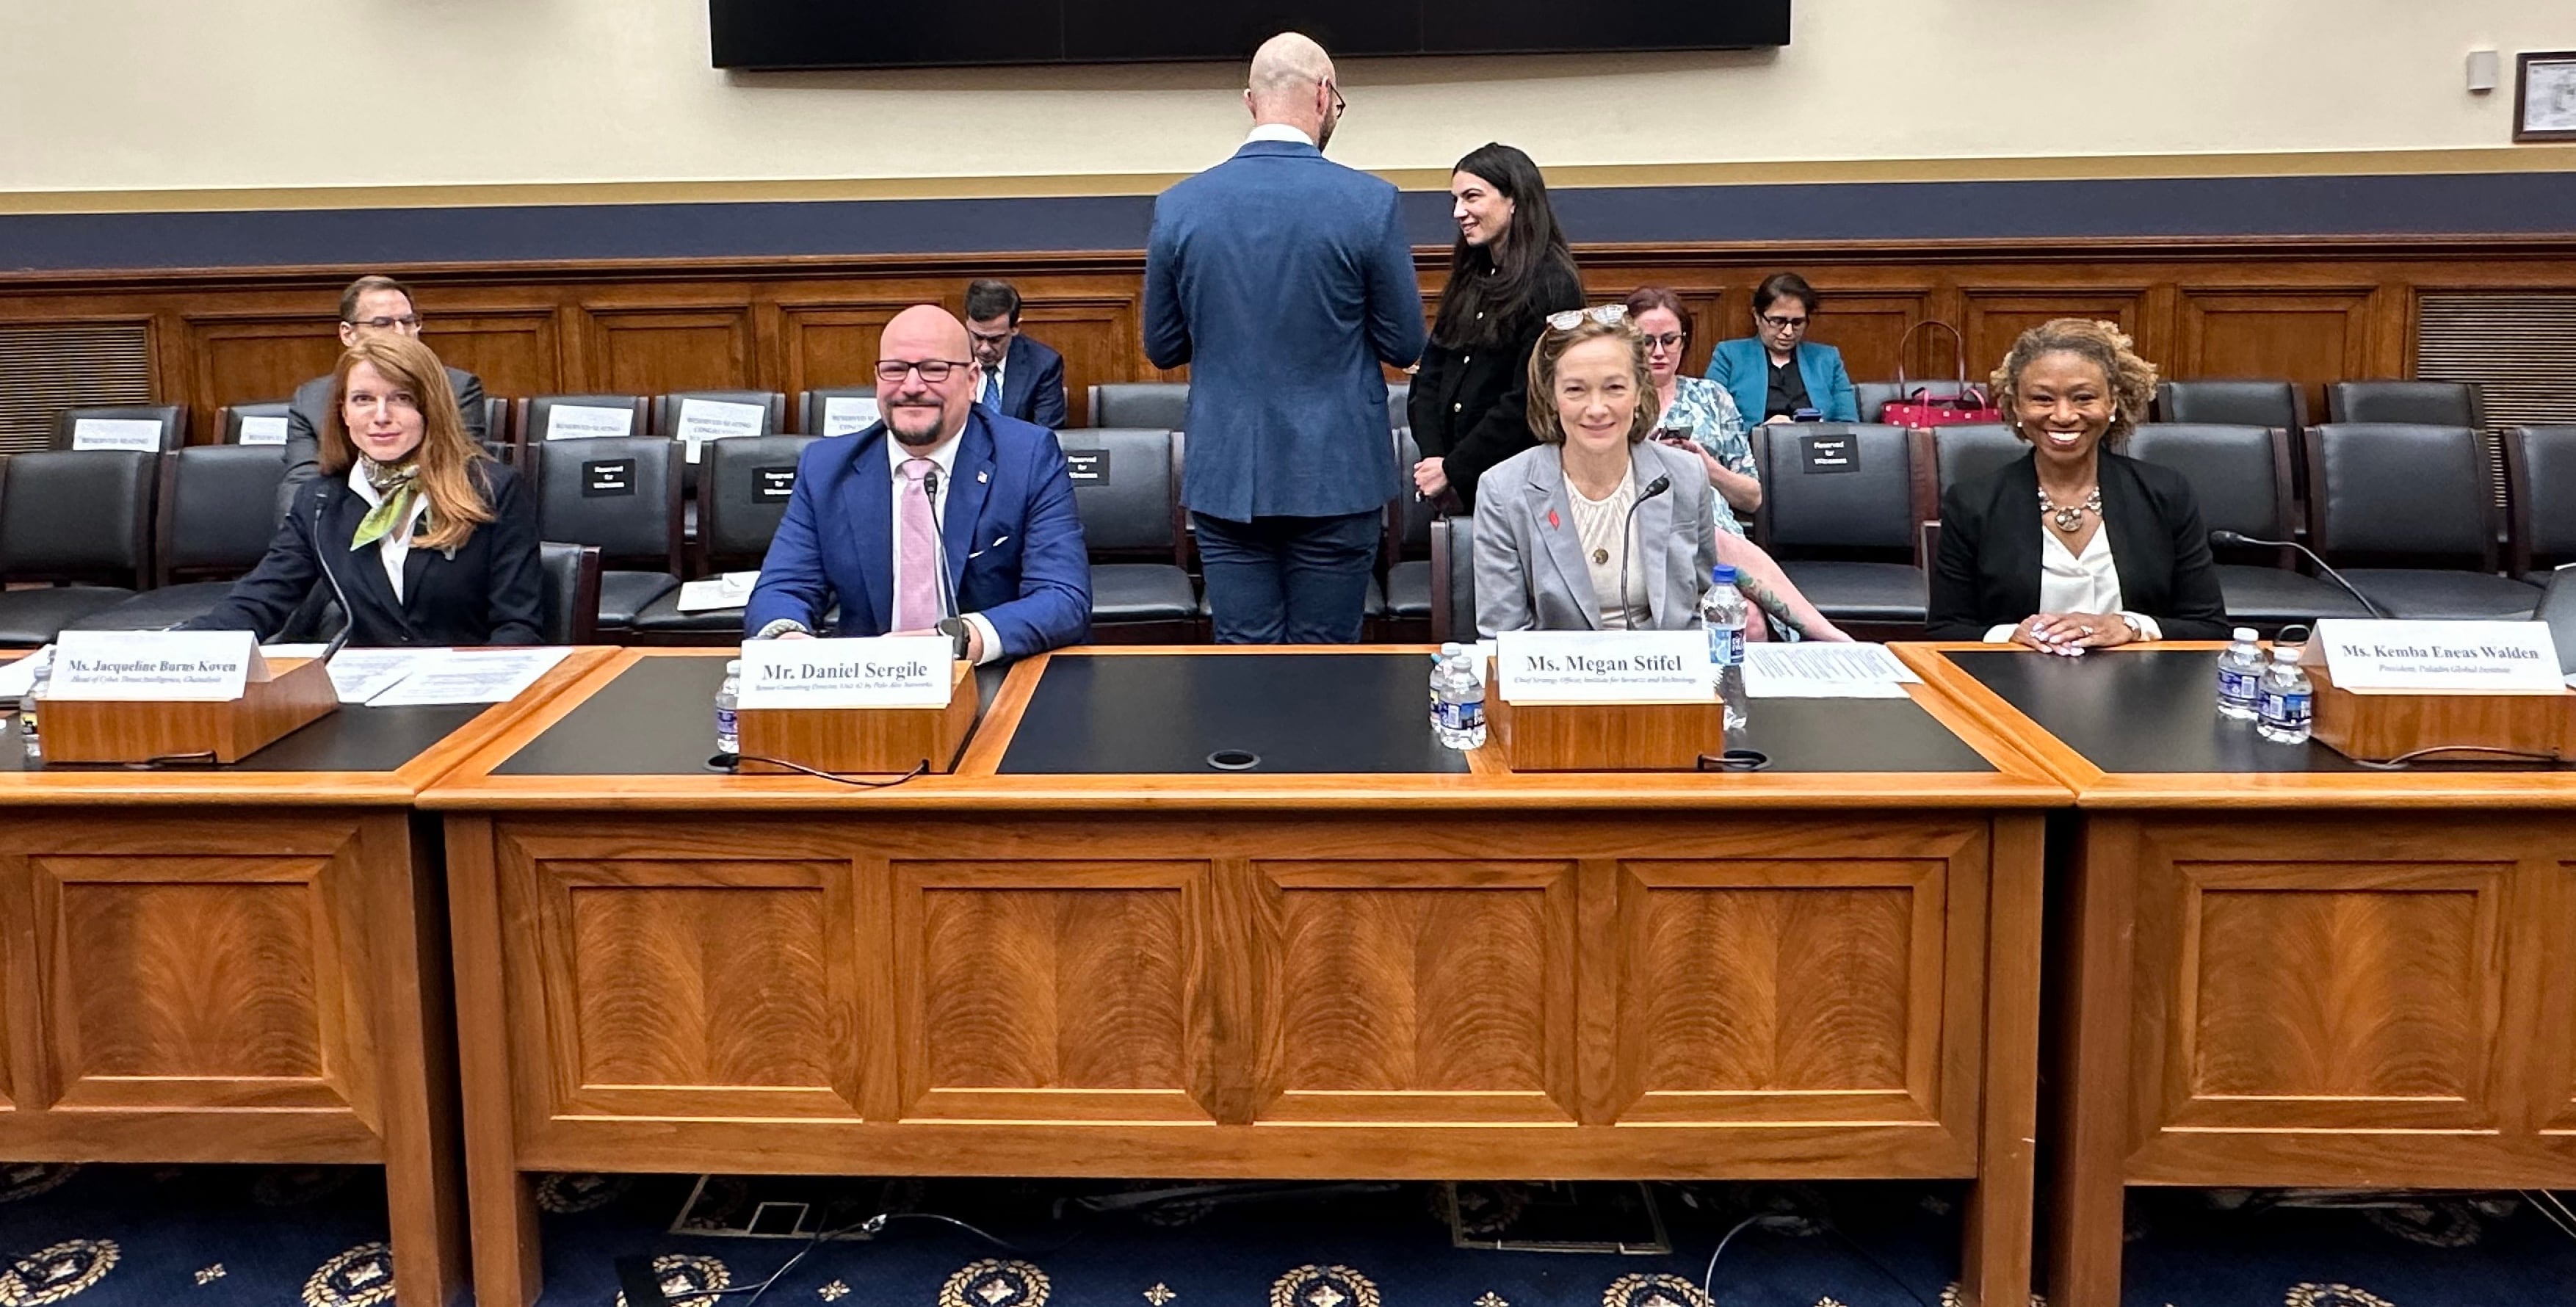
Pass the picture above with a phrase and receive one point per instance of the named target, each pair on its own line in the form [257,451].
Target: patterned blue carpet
[240,1236]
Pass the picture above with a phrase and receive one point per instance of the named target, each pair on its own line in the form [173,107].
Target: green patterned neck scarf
[398,489]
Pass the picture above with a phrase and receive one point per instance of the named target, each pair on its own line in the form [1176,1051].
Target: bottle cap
[1450,650]
[733,667]
[2244,633]
[1722,574]
[2285,653]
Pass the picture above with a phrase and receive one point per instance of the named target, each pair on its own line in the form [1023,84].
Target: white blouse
[2078,583]
[395,548]
[1597,524]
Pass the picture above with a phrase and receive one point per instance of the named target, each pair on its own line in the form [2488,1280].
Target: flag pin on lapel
[982,477]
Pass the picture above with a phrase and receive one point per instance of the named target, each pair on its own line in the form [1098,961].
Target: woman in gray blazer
[1598,528]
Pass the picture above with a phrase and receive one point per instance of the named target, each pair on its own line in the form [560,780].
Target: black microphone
[2240,538]
[939,542]
[1653,488]
[322,558]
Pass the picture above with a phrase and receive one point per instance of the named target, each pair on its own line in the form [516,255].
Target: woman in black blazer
[2074,547]
[402,494]
[1470,400]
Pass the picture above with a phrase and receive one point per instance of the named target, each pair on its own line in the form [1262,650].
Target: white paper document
[17,676]
[702,420]
[118,433]
[583,421]
[470,676]
[843,414]
[1816,670]
[362,674]
[263,431]
[731,590]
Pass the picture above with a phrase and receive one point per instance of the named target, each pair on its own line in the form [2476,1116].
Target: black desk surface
[354,739]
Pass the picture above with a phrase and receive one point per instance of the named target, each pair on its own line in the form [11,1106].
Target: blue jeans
[1288,580]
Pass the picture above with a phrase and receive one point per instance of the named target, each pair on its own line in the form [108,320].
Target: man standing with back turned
[1283,281]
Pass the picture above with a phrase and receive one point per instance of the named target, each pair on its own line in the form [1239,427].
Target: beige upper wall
[161,95]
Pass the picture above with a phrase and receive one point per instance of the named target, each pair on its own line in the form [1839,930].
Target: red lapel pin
[1551,519]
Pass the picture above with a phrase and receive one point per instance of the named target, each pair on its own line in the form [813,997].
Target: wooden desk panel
[1347,976]
[2339,978]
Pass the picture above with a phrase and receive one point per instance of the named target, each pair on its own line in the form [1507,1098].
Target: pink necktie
[916,596]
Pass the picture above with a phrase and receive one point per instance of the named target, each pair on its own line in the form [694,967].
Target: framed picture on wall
[2544,96]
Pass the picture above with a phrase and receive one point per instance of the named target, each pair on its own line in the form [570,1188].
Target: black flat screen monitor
[776,35]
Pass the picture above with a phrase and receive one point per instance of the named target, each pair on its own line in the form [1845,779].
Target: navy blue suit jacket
[1283,280]
[1033,384]
[1014,545]
[1743,366]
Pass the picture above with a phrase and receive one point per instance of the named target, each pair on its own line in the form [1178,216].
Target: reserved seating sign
[2485,657]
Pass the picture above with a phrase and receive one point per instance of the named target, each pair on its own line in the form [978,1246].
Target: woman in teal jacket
[1777,374]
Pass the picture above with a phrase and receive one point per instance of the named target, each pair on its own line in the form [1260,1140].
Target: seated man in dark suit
[1022,378]
[371,306]
[943,516]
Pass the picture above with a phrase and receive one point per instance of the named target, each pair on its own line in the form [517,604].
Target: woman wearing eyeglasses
[1511,268]
[1777,372]
[1574,534]
[416,532]
[1698,416]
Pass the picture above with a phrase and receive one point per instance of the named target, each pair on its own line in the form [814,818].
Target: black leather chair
[1141,404]
[2240,478]
[535,416]
[2558,608]
[1966,452]
[1875,396]
[1406,596]
[2278,404]
[569,612]
[214,525]
[623,496]
[229,419]
[81,518]
[2540,484]
[748,481]
[172,419]
[813,406]
[2414,403]
[1845,534]
[1126,486]
[2409,515]
[1453,579]
[1399,400]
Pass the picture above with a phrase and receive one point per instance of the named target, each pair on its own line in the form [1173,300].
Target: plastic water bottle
[2240,678]
[1723,612]
[1457,699]
[2289,701]
[729,734]
[27,708]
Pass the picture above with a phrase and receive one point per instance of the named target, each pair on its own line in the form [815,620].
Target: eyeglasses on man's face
[407,322]
[933,371]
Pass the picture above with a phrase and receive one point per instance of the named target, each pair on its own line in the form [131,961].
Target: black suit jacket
[1987,572]
[1470,403]
[1033,383]
[305,415]
[490,592]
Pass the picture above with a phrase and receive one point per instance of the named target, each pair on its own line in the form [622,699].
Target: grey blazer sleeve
[1502,572]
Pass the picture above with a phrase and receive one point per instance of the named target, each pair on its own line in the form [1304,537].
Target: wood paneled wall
[2306,310]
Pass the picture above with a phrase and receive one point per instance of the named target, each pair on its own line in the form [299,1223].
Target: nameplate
[702,420]
[1839,452]
[1086,466]
[890,671]
[263,431]
[588,422]
[1604,667]
[117,433]
[142,666]
[2484,657]
[844,414]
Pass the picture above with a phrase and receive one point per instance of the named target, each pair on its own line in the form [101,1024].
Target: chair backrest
[569,611]
[2418,403]
[1132,404]
[1409,523]
[2558,608]
[218,509]
[2540,480]
[1399,402]
[1968,451]
[813,407]
[744,494]
[2239,475]
[498,430]
[263,423]
[80,515]
[1835,486]
[1453,579]
[149,428]
[2395,489]
[1875,396]
[536,422]
[621,494]
[1126,490]
[2234,403]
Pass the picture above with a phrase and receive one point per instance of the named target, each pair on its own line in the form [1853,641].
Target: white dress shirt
[1277,132]
[2079,583]
[395,548]
[946,457]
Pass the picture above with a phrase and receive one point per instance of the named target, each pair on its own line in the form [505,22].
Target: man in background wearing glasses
[944,516]
[371,306]
[1283,280]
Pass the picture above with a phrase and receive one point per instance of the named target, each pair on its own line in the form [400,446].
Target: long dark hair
[1501,279]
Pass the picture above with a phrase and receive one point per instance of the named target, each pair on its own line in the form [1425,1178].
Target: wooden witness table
[244,963]
[1088,952]
[2279,967]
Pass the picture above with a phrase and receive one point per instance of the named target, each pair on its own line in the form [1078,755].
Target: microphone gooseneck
[939,542]
[1653,488]
[322,559]
[2225,537]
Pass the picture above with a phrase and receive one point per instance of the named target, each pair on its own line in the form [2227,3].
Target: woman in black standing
[1470,401]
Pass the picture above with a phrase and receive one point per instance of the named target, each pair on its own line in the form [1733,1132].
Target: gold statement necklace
[2069,518]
